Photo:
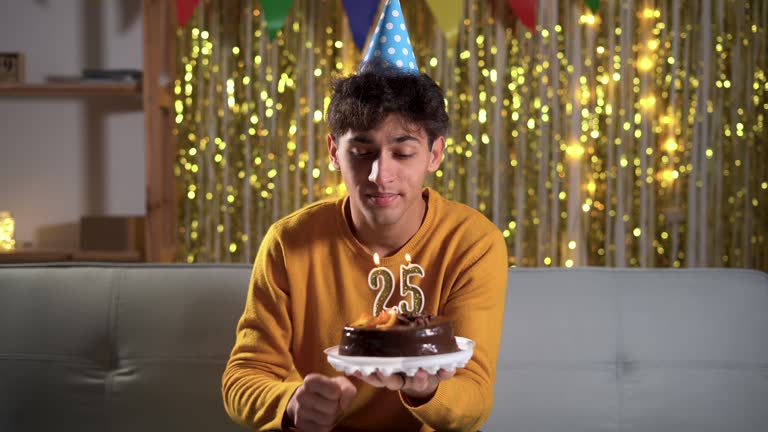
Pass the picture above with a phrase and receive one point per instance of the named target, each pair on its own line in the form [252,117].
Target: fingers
[420,382]
[392,382]
[314,409]
[320,401]
[322,386]
[395,381]
[336,392]
[444,375]
[377,379]
[311,421]
[306,414]
[348,391]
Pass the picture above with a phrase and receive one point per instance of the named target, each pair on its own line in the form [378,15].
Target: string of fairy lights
[635,136]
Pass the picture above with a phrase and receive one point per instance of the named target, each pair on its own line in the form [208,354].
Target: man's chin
[382,217]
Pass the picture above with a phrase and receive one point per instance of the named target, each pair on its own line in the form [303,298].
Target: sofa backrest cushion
[117,348]
[590,349]
[143,347]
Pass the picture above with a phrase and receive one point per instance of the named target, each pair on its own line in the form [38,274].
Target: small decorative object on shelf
[11,67]
[112,75]
[7,229]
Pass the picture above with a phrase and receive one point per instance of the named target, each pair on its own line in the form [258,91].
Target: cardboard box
[112,233]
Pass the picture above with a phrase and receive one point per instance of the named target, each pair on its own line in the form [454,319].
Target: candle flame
[376,259]
[408,258]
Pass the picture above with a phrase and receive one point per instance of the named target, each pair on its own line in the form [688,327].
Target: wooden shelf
[154,94]
[54,255]
[85,88]
[27,256]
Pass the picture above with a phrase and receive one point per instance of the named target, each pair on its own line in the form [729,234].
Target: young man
[310,277]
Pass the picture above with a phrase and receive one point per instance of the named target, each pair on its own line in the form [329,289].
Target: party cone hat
[390,45]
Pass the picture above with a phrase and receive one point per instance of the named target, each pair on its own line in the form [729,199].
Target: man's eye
[361,154]
[403,155]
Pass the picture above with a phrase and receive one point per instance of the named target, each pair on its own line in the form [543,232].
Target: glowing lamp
[7,228]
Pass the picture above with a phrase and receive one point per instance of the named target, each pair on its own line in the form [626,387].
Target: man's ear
[333,150]
[436,154]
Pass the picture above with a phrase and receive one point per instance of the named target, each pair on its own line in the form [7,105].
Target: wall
[65,157]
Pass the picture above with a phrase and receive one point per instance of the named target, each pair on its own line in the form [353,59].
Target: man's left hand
[420,386]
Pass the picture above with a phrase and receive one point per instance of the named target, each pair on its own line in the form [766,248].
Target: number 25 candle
[382,279]
[417,295]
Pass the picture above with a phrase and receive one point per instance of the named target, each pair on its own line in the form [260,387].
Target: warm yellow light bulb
[648,102]
[670,145]
[644,64]
[587,19]
[575,151]
[669,175]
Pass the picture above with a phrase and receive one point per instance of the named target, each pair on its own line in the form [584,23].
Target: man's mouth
[382,198]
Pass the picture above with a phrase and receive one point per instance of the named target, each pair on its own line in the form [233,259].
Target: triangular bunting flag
[593,4]
[448,15]
[525,11]
[360,14]
[184,10]
[275,13]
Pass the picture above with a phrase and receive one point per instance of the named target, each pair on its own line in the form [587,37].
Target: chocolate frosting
[433,337]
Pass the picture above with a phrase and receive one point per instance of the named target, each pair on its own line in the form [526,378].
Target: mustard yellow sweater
[310,277]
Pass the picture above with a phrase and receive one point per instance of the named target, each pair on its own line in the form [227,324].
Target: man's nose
[381,171]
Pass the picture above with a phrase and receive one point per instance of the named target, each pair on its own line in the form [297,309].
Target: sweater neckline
[412,246]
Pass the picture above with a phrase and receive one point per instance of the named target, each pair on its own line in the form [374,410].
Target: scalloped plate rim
[409,365]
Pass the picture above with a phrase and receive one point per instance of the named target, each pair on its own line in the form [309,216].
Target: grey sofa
[142,348]
[588,350]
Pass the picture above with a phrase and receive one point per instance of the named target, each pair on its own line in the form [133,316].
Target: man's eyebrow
[362,138]
[405,137]
[365,139]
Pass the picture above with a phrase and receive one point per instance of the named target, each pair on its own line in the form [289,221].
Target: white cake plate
[408,365]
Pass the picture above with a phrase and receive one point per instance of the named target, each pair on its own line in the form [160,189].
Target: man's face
[384,171]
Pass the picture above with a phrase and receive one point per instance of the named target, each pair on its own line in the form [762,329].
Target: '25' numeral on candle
[382,279]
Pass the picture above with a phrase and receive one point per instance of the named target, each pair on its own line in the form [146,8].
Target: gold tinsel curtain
[635,136]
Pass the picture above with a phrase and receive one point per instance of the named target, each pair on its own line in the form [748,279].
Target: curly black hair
[362,101]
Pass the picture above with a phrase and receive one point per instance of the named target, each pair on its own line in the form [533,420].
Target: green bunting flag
[593,4]
[275,13]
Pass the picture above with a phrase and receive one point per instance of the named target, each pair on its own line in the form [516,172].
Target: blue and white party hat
[390,44]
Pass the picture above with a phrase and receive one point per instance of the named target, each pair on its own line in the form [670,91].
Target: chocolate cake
[398,335]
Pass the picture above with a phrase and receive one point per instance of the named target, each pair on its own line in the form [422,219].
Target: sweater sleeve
[476,304]
[259,378]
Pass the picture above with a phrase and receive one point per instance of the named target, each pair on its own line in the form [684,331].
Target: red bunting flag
[525,11]
[184,10]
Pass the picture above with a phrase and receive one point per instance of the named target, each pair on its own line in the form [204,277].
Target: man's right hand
[319,402]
